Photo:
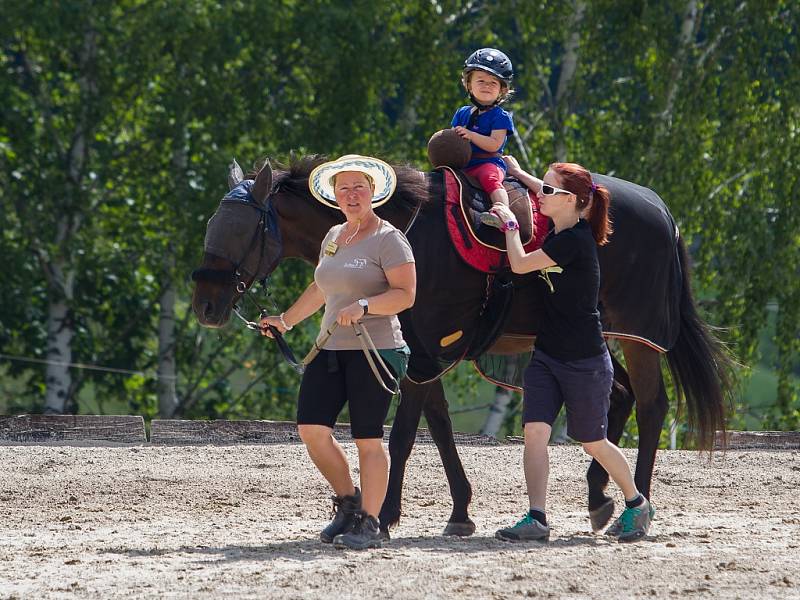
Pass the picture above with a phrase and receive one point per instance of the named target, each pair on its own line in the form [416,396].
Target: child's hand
[511,164]
[463,132]
[502,211]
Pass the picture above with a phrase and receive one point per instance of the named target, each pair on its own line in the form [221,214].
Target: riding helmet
[492,61]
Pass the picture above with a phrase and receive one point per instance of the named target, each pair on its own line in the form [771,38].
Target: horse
[644,284]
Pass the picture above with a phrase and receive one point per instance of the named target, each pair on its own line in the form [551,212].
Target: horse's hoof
[601,515]
[384,535]
[462,529]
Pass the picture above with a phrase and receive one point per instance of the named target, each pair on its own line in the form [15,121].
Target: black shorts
[584,386]
[338,376]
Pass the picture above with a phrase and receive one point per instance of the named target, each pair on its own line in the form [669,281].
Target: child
[487,78]
[571,365]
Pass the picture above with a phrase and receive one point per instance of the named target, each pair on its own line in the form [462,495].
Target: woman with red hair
[571,365]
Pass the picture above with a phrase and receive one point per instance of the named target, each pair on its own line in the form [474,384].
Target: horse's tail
[701,366]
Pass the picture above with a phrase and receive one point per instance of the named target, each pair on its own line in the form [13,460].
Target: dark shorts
[336,377]
[583,386]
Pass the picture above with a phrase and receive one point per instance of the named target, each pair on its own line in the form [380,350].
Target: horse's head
[242,245]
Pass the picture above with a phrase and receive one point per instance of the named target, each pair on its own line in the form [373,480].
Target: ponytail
[599,220]
[578,180]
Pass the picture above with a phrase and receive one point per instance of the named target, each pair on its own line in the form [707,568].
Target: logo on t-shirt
[356,263]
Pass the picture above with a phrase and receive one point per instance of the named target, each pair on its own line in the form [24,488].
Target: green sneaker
[526,529]
[633,523]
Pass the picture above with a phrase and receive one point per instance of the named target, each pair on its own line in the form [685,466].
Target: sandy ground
[242,522]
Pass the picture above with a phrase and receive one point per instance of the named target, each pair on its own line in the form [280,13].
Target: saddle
[481,246]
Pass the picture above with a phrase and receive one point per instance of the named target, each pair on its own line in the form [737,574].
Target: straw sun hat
[320,182]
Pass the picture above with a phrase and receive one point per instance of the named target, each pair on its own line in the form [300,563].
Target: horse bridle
[267,224]
[243,278]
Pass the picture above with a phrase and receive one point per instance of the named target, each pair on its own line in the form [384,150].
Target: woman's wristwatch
[509,226]
[364,303]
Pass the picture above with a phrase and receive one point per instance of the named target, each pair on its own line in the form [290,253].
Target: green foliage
[118,121]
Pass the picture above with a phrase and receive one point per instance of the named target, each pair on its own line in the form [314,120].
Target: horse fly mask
[233,234]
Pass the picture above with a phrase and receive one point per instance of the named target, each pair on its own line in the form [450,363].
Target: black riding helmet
[492,61]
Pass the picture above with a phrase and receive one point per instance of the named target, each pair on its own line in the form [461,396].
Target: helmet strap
[480,106]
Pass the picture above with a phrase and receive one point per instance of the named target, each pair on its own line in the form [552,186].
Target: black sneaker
[345,511]
[364,534]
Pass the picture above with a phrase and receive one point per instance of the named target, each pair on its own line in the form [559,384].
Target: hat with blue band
[320,182]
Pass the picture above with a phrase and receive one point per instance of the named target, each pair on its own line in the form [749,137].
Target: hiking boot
[633,524]
[365,533]
[526,529]
[345,509]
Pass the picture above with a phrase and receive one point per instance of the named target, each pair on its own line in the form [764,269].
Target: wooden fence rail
[766,440]
[129,429]
[176,432]
[33,429]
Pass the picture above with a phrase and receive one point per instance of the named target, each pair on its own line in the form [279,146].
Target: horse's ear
[235,175]
[263,184]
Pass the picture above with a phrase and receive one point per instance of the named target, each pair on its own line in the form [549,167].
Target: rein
[283,346]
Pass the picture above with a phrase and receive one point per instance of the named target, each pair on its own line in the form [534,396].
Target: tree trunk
[59,271]
[60,332]
[689,27]
[502,400]
[167,396]
[569,65]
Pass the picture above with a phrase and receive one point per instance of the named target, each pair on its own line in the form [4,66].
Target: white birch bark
[689,26]
[499,409]
[168,403]
[58,270]
[59,339]
[569,66]
[167,395]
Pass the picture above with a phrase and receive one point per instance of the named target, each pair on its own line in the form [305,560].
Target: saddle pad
[474,251]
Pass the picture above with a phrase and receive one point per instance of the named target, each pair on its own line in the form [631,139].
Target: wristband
[509,226]
[285,326]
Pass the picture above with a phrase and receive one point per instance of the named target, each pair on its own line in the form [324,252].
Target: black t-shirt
[571,328]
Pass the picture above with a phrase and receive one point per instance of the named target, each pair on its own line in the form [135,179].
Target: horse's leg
[644,368]
[601,506]
[401,441]
[441,430]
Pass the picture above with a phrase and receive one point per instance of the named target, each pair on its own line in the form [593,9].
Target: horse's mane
[293,178]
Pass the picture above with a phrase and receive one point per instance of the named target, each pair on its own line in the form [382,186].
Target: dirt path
[242,522]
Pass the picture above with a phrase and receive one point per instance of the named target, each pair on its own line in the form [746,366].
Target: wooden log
[37,429]
[767,440]
[176,432]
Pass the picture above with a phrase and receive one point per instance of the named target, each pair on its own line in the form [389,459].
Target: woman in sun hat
[365,275]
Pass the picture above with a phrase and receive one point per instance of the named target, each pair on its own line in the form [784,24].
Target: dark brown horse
[645,298]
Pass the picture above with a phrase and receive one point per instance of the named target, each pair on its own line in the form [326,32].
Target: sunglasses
[549,190]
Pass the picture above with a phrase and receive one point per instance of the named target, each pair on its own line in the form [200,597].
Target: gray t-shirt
[358,271]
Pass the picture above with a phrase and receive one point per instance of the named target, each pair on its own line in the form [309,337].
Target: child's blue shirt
[496,118]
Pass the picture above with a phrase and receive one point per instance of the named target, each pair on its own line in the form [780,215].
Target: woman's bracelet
[285,326]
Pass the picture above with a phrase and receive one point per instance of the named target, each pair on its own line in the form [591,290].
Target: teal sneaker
[633,524]
[526,529]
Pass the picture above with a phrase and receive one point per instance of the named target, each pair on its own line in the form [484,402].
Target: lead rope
[369,349]
[318,344]
[362,334]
